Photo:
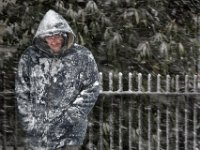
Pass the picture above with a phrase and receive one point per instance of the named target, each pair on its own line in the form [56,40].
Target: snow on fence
[169,82]
[134,112]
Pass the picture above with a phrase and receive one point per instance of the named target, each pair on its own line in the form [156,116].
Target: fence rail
[171,85]
[134,112]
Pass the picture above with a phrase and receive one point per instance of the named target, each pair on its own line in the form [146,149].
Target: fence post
[158,83]
[149,127]
[130,76]
[139,82]
[139,128]
[167,128]
[168,83]
[177,126]
[186,83]
[111,124]
[1,98]
[177,83]
[4,113]
[16,128]
[110,81]
[158,126]
[149,83]
[195,83]
[186,125]
[130,120]
[101,126]
[101,81]
[120,82]
[120,123]
[194,127]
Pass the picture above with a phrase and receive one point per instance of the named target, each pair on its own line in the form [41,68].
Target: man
[56,87]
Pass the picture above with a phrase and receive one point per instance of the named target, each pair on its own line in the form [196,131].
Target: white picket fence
[176,88]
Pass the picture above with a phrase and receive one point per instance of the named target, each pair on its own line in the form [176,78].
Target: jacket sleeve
[87,97]
[22,90]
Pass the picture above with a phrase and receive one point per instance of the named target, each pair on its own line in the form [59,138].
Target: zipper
[50,79]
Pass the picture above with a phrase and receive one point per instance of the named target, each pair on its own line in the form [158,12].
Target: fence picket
[149,83]
[101,127]
[139,82]
[158,83]
[177,83]
[120,124]
[120,82]
[111,124]
[177,127]
[168,83]
[158,128]
[167,128]
[195,83]
[139,128]
[101,81]
[149,127]
[130,125]
[186,83]
[130,76]
[194,127]
[4,116]
[186,127]
[110,81]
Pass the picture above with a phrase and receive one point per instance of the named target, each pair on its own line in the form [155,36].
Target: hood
[53,23]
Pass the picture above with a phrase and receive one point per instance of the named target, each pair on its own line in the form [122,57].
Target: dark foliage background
[123,35]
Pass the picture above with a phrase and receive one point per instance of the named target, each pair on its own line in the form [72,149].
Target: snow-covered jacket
[55,93]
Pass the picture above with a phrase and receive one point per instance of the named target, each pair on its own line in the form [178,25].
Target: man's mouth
[55,45]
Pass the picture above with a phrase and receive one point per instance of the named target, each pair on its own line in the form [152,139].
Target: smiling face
[55,42]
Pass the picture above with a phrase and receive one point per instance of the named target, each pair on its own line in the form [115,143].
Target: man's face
[55,42]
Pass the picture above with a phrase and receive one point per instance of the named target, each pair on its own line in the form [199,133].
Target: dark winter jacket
[55,93]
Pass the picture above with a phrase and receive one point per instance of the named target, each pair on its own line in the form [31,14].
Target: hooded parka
[55,92]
